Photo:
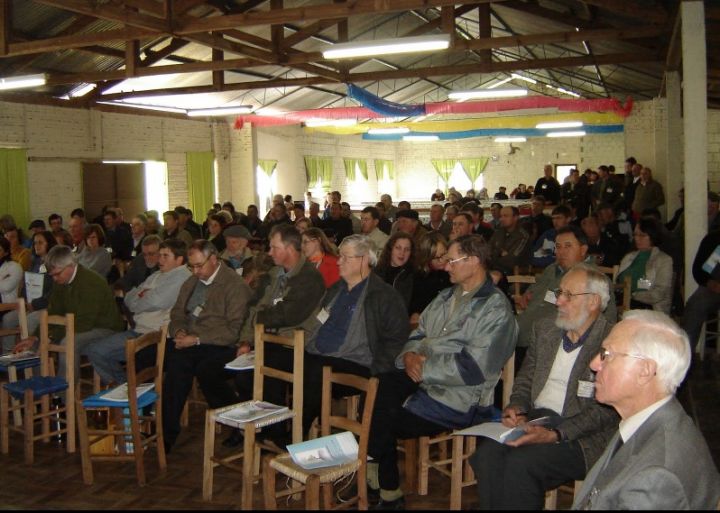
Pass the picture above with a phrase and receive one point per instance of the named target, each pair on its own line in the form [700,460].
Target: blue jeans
[107,354]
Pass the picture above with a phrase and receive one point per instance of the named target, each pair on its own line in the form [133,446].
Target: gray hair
[60,257]
[362,246]
[660,339]
[596,282]
[205,246]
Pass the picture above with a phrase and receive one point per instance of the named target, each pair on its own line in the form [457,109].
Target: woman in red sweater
[318,250]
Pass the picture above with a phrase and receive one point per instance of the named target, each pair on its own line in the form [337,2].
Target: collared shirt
[73,276]
[629,426]
[211,278]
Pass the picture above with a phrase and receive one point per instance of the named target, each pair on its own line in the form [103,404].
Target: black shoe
[235,439]
[396,504]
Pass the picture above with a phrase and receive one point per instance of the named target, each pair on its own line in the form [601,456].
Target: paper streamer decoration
[493,132]
[381,106]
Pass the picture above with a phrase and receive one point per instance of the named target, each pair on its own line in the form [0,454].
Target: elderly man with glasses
[554,382]
[658,459]
[446,373]
[204,325]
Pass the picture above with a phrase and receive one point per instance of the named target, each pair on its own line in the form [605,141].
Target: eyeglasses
[569,295]
[345,257]
[452,263]
[192,267]
[55,272]
[605,354]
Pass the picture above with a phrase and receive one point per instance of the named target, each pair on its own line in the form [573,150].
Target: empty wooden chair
[315,479]
[35,392]
[251,447]
[130,409]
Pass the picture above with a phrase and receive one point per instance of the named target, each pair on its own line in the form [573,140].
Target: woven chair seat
[40,385]
[97,401]
[23,364]
[257,423]
[285,464]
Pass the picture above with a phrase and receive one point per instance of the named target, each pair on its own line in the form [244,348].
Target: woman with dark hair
[317,249]
[11,275]
[63,238]
[215,226]
[431,276]
[94,255]
[396,265]
[18,252]
[649,269]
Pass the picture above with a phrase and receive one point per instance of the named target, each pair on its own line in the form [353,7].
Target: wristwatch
[560,436]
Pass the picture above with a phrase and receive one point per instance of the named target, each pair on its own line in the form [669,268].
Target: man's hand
[524,300]
[25,344]
[183,340]
[243,348]
[535,435]
[414,366]
[513,416]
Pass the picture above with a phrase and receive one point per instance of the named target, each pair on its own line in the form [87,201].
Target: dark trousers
[312,384]
[391,422]
[517,477]
[181,366]
[214,379]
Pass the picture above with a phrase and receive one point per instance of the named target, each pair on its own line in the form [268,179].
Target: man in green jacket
[82,292]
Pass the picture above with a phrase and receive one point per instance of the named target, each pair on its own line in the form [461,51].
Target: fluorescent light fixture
[565,91]
[122,161]
[421,138]
[313,123]
[221,111]
[487,93]
[22,82]
[510,139]
[560,124]
[571,133]
[498,84]
[387,46]
[526,79]
[146,107]
[388,131]
[82,90]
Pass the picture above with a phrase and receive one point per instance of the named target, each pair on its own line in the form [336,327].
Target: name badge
[43,269]
[277,300]
[197,311]
[239,271]
[133,253]
[544,186]
[609,189]
[323,316]
[644,283]
[586,389]
[550,297]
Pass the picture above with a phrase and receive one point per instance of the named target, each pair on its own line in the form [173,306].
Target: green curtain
[362,166]
[350,164]
[381,166]
[201,180]
[444,168]
[318,168]
[14,198]
[268,166]
[474,167]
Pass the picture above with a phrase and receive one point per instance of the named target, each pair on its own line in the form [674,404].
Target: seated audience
[554,381]
[541,221]
[172,228]
[303,224]
[437,223]
[18,251]
[117,237]
[462,224]
[650,270]
[510,245]
[11,276]
[501,194]
[408,221]
[236,251]
[479,225]
[544,248]
[137,230]
[603,249]
[56,222]
[431,276]
[438,195]
[337,227]
[143,265]
[318,251]
[94,255]
[396,265]
[369,225]
[252,220]
[216,225]
[448,369]
[658,460]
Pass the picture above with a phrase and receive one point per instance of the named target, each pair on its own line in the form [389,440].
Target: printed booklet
[326,451]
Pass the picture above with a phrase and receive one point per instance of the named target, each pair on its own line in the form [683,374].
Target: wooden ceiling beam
[152,7]
[53,44]
[5,25]
[181,7]
[308,13]
[631,9]
[111,13]
[307,32]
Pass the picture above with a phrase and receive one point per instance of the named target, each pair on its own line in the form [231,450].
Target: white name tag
[544,186]
[239,271]
[644,284]
[586,389]
[197,311]
[277,300]
[608,189]
[550,297]
[323,316]
[133,253]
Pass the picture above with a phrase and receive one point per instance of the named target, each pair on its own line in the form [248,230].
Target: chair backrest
[626,288]
[154,373]
[359,428]
[611,272]
[297,344]
[22,328]
[507,375]
[47,346]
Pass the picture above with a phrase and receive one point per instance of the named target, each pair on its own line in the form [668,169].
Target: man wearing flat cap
[236,251]
[408,221]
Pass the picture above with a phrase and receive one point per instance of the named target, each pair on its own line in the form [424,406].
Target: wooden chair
[551,496]
[251,447]
[625,288]
[456,466]
[21,332]
[517,280]
[315,479]
[130,410]
[195,397]
[37,390]
[611,272]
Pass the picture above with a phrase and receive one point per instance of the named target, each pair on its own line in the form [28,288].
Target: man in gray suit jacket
[554,380]
[658,459]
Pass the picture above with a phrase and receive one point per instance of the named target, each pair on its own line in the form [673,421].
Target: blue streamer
[384,107]
[492,132]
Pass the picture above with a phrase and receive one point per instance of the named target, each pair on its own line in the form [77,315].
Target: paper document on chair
[501,433]
[10,358]
[120,393]
[249,411]
[33,285]
[245,361]
[326,451]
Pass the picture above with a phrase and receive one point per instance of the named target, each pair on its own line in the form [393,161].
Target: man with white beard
[555,381]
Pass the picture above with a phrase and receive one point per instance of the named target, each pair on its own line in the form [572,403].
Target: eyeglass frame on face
[345,257]
[454,261]
[194,267]
[55,273]
[569,295]
[606,355]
